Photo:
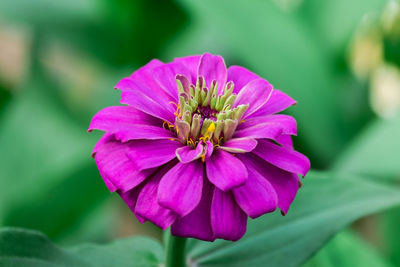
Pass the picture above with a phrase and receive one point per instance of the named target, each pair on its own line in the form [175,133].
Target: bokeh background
[59,61]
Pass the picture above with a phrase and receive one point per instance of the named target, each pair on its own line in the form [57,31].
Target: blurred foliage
[347,250]
[31,249]
[326,54]
[119,32]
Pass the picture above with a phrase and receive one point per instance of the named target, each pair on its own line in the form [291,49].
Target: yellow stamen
[163,125]
[178,112]
[210,131]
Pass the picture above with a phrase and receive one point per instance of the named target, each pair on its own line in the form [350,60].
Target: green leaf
[324,205]
[20,247]
[376,152]
[347,250]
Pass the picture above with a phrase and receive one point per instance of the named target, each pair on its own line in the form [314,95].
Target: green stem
[175,252]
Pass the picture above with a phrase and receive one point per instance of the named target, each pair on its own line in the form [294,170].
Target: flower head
[199,147]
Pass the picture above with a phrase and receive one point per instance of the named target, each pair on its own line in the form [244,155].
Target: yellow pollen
[210,130]
[203,158]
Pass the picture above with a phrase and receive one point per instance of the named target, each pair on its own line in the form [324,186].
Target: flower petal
[257,196]
[277,102]
[285,140]
[268,130]
[197,224]
[225,171]
[147,205]
[209,150]
[115,166]
[147,154]
[213,67]
[130,198]
[180,188]
[144,76]
[255,94]
[239,145]
[282,157]
[128,123]
[118,117]
[187,154]
[228,221]
[191,63]
[165,77]
[143,132]
[142,98]
[240,77]
[289,125]
[285,183]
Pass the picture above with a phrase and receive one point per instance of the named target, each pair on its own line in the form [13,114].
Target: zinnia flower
[199,147]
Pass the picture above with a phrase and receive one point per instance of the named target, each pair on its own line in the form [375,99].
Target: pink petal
[187,154]
[225,171]
[117,117]
[144,76]
[142,98]
[277,102]
[257,196]
[240,77]
[213,68]
[228,221]
[130,198]
[165,77]
[143,132]
[239,145]
[285,183]
[180,188]
[116,167]
[147,154]
[255,94]
[147,205]
[197,224]
[289,125]
[285,140]
[209,150]
[268,130]
[191,63]
[282,157]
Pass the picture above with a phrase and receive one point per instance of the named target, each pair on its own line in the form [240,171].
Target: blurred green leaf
[48,180]
[376,152]
[284,49]
[118,32]
[347,250]
[335,21]
[4,98]
[389,231]
[20,247]
[323,207]
[48,13]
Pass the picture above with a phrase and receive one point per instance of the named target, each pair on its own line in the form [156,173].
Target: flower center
[205,114]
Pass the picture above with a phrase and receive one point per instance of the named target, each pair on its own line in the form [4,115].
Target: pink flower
[199,147]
